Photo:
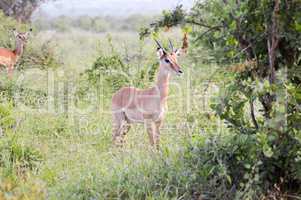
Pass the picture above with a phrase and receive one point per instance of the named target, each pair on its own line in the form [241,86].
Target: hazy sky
[108,7]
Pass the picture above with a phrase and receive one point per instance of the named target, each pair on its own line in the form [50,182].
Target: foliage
[46,125]
[40,55]
[29,189]
[111,69]
[97,24]
[20,10]
[14,93]
[116,71]
[7,121]
[17,159]
[254,155]
[168,20]
[260,40]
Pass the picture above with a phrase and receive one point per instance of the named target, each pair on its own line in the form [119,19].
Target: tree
[21,10]
[260,42]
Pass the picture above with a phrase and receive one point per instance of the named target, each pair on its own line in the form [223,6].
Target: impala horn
[170,45]
[160,46]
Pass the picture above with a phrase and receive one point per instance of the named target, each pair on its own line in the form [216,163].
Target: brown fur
[131,105]
[9,58]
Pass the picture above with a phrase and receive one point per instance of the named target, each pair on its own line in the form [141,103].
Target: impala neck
[19,48]
[163,83]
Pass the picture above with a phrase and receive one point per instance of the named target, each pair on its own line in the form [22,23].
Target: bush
[14,92]
[39,54]
[111,70]
[29,189]
[227,164]
[17,159]
[7,121]
[277,143]
[242,166]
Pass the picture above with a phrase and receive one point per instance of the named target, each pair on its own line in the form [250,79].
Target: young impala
[8,58]
[132,105]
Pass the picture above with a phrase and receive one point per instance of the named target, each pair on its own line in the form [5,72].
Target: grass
[79,160]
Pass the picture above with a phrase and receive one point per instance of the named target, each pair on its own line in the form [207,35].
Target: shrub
[29,189]
[242,166]
[39,54]
[113,73]
[7,121]
[11,91]
[111,70]
[17,159]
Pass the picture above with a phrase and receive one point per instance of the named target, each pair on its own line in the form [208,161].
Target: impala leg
[119,123]
[150,127]
[127,128]
[157,133]
[10,70]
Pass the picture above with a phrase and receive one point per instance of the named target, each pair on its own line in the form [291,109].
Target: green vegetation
[232,129]
[260,42]
[96,24]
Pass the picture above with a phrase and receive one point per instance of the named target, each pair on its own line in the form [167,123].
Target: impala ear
[28,33]
[160,53]
[178,52]
[181,52]
[15,32]
[184,48]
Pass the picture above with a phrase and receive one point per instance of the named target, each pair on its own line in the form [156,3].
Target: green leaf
[297,26]
[267,151]
[228,178]
[247,166]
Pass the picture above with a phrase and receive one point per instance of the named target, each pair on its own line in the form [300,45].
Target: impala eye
[166,60]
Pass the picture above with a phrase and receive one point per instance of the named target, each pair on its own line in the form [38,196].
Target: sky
[108,7]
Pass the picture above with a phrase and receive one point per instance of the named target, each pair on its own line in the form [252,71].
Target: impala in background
[9,58]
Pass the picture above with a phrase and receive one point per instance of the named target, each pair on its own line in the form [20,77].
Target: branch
[273,42]
[210,79]
[5,7]
[206,32]
[253,114]
[202,24]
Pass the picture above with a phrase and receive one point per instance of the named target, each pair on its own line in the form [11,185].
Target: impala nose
[180,72]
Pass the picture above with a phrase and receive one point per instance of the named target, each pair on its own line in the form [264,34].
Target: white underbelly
[5,61]
[135,116]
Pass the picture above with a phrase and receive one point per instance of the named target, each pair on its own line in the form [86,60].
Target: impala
[131,105]
[9,58]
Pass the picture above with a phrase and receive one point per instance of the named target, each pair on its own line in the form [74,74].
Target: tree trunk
[272,44]
[253,114]
[273,41]
[21,10]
